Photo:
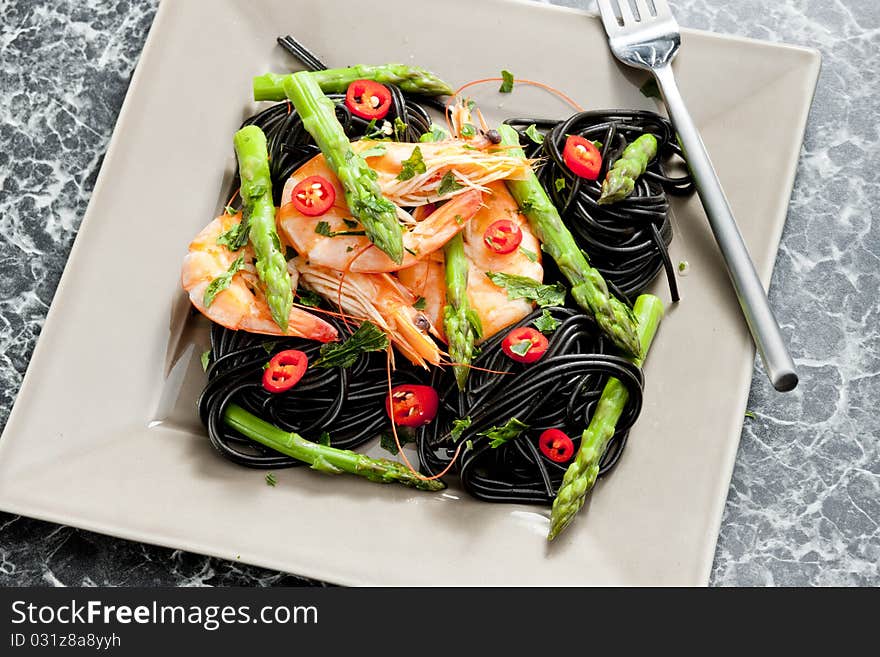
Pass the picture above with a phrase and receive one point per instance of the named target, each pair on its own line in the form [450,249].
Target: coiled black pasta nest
[347,404]
[626,241]
[559,391]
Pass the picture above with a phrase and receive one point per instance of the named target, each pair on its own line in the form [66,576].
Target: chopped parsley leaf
[524,287]
[368,337]
[206,359]
[413,165]
[531,255]
[448,184]
[220,283]
[499,435]
[533,134]
[458,428]
[506,82]
[546,323]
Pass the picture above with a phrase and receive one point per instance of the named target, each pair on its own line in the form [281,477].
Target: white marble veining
[804,503]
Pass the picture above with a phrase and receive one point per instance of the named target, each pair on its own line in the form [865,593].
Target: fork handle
[749,290]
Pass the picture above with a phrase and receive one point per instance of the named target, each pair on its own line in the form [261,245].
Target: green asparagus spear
[457,315]
[588,287]
[411,79]
[323,457]
[621,178]
[362,193]
[582,473]
[256,194]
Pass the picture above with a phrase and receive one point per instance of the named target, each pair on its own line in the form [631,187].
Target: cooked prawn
[344,251]
[466,161]
[242,305]
[426,281]
[495,310]
[379,298]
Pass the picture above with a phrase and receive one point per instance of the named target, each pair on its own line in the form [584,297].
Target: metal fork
[648,38]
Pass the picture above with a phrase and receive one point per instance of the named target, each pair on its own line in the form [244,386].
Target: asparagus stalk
[322,457]
[588,287]
[621,177]
[411,79]
[256,194]
[457,313]
[362,193]
[582,473]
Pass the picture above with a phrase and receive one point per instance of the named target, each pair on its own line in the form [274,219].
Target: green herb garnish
[650,89]
[521,348]
[458,428]
[220,283]
[324,438]
[531,255]
[373,151]
[368,337]
[448,184]
[506,82]
[523,287]
[237,236]
[468,130]
[270,479]
[750,415]
[512,429]
[205,359]
[323,228]
[559,183]
[309,298]
[399,129]
[420,303]
[231,211]
[546,323]
[533,134]
[437,134]
[387,442]
[412,165]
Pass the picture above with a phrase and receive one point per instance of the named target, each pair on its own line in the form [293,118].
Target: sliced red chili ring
[412,405]
[284,370]
[368,99]
[525,344]
[313,196]
[503,236]
[582,157]
[556,445]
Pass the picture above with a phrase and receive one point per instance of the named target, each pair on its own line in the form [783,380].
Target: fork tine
[662,9]
[626,12]
[606,11]
[644,10]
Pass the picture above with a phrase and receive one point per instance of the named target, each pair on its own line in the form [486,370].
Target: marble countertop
[804,502]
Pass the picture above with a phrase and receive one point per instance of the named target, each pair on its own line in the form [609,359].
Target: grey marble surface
[804,503]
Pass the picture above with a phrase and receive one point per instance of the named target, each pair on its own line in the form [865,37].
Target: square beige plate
[125,455]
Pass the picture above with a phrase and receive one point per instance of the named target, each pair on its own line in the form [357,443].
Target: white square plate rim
[133,532]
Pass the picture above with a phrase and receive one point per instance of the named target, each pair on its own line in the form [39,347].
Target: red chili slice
[368,100]
[285,370]
[412,405]
[556,445]
[525,344]
[582,157]
[503,236]
[313,196]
